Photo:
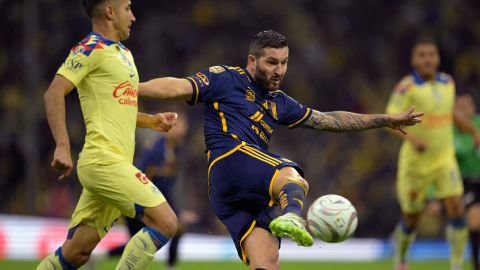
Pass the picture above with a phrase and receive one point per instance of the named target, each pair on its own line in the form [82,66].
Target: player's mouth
[276,80]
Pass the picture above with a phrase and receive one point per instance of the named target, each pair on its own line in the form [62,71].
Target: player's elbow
[48,96]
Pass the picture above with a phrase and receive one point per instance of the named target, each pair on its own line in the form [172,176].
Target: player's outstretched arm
[54,99]
[347,121]
[161,122]
[166,88]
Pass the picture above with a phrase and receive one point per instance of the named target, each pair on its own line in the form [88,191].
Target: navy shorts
[240,183]
[472,191]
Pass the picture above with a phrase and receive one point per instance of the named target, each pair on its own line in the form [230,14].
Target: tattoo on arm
[345,121]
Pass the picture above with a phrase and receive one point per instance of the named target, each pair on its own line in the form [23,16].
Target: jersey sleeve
[207,85]
[77,65]
[399,99]
[291,113]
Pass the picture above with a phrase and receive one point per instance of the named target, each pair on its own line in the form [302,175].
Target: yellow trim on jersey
[258,152]
[234,136]
[255,115]
[249,231]
[301,119]
[222,117]
[219,158]
[261,156]
[258,157]
[270,189]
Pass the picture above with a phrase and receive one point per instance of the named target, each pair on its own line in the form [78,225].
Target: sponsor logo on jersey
[125,60]
[126,94]
[273,106]
[78,50]
[250,95]
[203,78]
[73,65]
[216,69]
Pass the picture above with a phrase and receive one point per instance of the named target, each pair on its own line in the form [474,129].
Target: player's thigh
[454,206]
[411,191]
[473,216]
[448,181]
[262,249]
[122,187]
[449,188]
[93,211]
[162,218]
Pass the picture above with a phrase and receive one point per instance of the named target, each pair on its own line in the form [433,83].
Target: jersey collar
[106,41]
[419,80]
[255,84]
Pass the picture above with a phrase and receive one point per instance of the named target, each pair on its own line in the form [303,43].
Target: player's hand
[163,122]
[407,118]
[62,161]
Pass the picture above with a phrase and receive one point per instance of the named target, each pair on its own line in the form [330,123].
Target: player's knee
[167,225]
[78,255]
[409,222]
[456,211]
[288,175]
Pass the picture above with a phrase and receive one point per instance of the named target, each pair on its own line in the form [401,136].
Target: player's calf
[290,190]
[161,226]
[75,252]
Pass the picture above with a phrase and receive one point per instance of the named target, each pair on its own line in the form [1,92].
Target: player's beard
[266,83]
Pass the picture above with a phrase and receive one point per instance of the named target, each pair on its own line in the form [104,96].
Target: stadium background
[344,55]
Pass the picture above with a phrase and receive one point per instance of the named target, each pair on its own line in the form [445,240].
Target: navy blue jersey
[237,109]
[157,160]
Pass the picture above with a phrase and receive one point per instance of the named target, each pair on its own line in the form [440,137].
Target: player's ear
[110,11]
[252,61]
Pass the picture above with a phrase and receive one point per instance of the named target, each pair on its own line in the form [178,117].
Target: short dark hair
[266,39]
[90,5]
[424,40]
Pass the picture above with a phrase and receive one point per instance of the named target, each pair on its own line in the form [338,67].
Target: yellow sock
[55,261]
[458,238]
[141,248]
[403,241]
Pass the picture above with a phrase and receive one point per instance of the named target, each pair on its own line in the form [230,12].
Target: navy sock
[291,198]
[65,264]
[475,243]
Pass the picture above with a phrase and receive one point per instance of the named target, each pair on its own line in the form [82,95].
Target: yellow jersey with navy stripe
[106,78]
[436,99]
[237,109]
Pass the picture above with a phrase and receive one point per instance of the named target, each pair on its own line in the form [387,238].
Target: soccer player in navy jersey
[242,107]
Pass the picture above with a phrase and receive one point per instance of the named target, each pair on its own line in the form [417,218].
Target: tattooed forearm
[345,121]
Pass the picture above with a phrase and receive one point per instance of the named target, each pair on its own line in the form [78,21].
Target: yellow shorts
[111,190]
[412,186]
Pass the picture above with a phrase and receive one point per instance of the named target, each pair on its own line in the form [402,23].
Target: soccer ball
[332,218]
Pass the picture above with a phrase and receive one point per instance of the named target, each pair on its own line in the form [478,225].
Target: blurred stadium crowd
[344,55]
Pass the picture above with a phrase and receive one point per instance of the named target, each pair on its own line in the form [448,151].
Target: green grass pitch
[381,265]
